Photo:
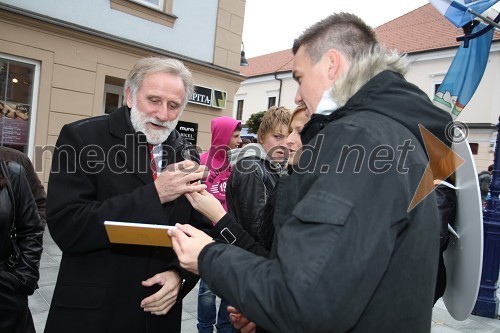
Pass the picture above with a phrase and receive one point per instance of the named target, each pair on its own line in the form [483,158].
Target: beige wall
[73,69]
[230,19]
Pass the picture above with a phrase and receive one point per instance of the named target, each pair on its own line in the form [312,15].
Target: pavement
[39,302]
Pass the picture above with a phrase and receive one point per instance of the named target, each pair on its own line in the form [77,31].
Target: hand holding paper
[138,233]
[188,243]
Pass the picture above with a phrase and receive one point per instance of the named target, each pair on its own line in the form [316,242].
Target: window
[493,142]
[157,4]
[474,147]
[239,110]
[113,98]
[436,87]
[158,11]
[113,94]
[271,101]
[18,86]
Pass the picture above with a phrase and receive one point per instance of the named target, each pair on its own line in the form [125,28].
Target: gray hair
[344,32]
[153,65]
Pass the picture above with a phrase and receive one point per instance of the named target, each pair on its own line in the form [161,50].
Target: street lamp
[487,301]
[243,60]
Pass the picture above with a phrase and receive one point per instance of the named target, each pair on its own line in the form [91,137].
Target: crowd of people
[286,231]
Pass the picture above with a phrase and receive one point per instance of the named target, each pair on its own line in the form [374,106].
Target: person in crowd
[20,248]
[244,142]
[294,145]
[210,207]
[343,258]
[266,230]
[293,142]
[484,182]
[129,166]
[256,169]
[36,187]
[225,136]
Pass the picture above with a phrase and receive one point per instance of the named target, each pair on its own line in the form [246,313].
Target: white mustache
[166,124]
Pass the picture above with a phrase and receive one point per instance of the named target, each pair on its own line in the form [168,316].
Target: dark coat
[100,171]
[20,281]
[349,255]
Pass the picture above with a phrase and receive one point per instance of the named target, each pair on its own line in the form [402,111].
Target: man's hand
[162,301]
[240,322]
[178,179]
[188,243]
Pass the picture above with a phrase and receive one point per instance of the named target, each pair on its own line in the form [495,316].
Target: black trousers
[15,315]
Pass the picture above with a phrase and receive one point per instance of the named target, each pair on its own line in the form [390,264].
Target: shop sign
[209,97]
[188,130]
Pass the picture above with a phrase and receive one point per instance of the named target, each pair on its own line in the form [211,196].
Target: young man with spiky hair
[351,254]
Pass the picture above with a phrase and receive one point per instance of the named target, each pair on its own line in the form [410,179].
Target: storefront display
[16,94]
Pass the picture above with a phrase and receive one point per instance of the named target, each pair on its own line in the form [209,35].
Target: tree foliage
[253,122]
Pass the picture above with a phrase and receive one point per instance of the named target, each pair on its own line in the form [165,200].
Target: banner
[456,10]
[464,74]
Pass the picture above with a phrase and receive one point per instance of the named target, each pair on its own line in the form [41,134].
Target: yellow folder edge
[138,233]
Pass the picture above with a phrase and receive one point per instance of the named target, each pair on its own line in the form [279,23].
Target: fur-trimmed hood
[366,68]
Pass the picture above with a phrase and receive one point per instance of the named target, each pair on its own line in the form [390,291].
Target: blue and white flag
[465,73]
[456,11]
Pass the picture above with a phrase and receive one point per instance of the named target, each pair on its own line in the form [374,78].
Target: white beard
[153,136]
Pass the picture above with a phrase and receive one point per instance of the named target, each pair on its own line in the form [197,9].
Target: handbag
[14,252]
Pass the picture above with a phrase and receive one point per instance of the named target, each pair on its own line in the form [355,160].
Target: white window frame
[160,6]
[34,104]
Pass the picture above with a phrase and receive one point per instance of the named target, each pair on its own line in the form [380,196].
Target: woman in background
[293,141]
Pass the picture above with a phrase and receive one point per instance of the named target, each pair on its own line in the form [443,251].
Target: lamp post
[487,300]
[243,59]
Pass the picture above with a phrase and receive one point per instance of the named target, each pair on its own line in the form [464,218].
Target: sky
[272,25]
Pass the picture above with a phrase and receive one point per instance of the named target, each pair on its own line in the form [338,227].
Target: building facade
[65,61]
[428,40]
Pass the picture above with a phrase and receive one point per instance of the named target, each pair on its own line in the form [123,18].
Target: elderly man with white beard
[103,169]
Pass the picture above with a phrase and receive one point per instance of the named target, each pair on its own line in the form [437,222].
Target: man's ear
[333,59]
[128,97]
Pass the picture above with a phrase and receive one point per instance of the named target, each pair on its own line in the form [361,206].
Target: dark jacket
[250,184]
[229,231]
[9,154]
[484,183]
[29,230]
[349,255]
[100,171]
